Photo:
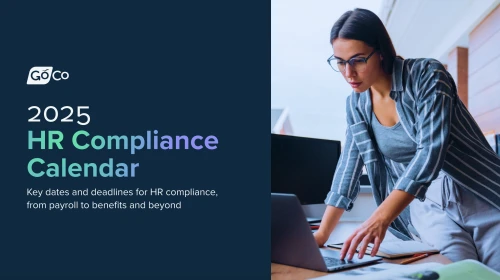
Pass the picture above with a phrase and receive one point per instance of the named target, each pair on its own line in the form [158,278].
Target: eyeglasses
[358,64]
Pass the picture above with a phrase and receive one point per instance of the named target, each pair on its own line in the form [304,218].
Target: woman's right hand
[320,237]
[330,219]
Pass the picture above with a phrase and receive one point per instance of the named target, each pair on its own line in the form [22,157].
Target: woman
[416,138]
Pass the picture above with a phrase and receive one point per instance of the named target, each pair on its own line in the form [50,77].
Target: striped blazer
[448,140]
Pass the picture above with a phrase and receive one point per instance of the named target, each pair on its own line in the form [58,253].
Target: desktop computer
[303,166]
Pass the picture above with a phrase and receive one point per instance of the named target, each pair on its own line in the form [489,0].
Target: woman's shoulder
[420,66]
[355,98]
[422,73]
[355,104]
[350,101]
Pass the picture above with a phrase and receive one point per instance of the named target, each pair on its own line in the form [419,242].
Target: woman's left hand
[371,231]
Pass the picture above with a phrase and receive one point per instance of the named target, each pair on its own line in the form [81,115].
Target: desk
[282,272]
[341,232]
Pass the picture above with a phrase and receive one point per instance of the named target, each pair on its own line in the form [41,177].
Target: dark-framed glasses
[358,64]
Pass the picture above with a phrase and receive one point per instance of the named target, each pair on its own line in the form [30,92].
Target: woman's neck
[382,88]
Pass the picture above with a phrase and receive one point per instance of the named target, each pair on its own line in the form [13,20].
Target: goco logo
[41,75]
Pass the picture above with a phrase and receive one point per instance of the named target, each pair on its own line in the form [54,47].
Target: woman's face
[362,75]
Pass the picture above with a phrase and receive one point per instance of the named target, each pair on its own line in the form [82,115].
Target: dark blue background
[183,68]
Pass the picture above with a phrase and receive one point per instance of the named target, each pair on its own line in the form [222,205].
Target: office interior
[466,41]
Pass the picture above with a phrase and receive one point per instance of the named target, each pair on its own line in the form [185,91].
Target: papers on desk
[396,249]
[382,271]
[466,270]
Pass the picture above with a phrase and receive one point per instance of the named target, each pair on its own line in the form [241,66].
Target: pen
[415,259]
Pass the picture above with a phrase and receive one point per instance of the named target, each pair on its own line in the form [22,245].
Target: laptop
[292,241]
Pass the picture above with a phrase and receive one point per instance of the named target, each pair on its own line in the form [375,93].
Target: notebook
[396,249]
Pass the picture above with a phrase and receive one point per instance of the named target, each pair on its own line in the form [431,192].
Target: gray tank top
[393,141]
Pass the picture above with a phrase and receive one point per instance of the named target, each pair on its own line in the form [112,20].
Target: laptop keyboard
[333,261]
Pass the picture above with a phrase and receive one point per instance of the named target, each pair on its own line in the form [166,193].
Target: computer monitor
[303,166]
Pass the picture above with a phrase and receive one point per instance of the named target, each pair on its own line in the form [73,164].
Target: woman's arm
[345,184]
[373,230]
[330,219]
[435,103]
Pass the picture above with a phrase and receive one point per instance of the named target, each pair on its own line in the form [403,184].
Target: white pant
[458,223]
